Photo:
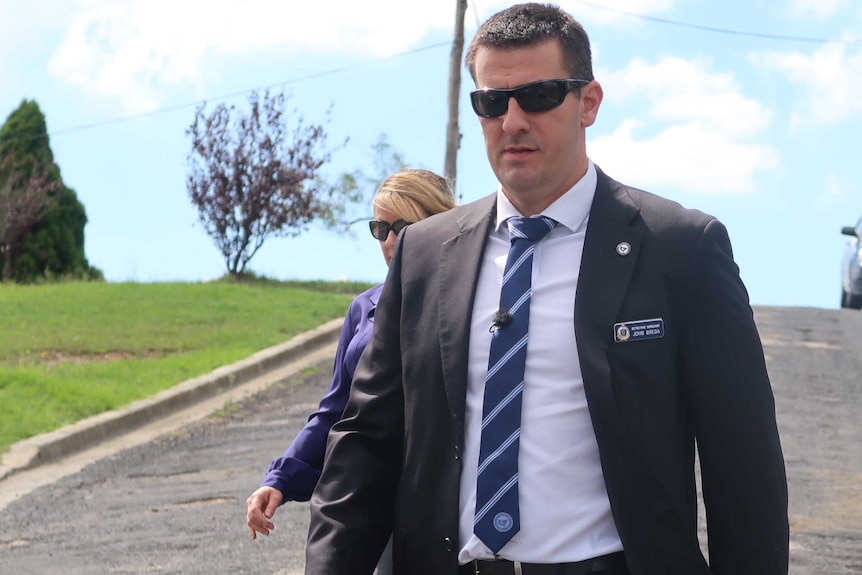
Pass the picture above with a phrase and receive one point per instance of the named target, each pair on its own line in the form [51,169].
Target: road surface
[176,504]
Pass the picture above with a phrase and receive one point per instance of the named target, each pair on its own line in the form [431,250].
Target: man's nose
[515,119]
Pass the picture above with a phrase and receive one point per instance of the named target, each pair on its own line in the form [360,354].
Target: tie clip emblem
[638,330]
[503,522]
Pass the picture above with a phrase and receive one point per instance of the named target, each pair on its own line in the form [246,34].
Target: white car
[851,268]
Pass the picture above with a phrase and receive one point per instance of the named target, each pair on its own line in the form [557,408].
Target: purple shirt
[296,472]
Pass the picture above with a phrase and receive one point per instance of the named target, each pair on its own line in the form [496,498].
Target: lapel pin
[623,333]
[624,248]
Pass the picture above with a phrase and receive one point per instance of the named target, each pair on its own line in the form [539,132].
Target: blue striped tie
[497,517]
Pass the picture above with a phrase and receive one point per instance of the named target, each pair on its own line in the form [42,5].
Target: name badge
[638,330]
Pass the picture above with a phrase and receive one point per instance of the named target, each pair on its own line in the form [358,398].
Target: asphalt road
[177,504]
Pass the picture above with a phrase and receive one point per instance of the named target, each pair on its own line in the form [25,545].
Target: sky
[747,110]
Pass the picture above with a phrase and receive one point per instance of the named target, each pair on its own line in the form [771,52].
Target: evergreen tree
[54,245]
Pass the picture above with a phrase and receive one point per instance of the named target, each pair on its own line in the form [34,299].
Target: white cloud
[127,49]
[681,90]
[704,126]
[821,9]
[687,157]
[831,80]
[25,32]
[130,49]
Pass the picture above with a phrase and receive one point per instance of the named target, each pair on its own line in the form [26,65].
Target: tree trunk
[8,267]
[453,135]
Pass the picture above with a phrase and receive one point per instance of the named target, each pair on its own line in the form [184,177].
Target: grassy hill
[72,350]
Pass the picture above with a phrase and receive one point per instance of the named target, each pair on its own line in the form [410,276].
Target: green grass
[72,350]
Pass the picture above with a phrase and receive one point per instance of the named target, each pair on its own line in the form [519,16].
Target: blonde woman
[404,198]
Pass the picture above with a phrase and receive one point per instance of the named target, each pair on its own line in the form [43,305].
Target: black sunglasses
[380,229]
[538,96]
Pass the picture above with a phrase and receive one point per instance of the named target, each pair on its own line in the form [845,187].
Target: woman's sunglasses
[538,96]
[380,229]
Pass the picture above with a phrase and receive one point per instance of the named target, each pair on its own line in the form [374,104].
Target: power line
[222,98]
[714,29]
[475,14]
[644,17]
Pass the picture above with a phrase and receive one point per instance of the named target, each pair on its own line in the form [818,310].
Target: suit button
[448,543]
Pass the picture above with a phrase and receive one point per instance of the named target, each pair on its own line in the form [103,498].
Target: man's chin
[519,182]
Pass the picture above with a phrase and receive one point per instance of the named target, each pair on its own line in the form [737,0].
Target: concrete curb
[79,436]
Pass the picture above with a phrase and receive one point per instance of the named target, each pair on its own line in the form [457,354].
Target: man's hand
[261,507]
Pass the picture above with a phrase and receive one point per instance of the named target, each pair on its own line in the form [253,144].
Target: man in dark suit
[641,347]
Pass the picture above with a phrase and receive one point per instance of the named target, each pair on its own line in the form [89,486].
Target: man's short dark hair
[525,25]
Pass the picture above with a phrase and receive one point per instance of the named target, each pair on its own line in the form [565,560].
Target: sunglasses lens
[379,229]
[541,96]
[489,103]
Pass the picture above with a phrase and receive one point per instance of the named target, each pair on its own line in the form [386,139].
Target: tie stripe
[521,301]
[527,255]
[505,359]
[505,401]
[497,496]
[500,450]
[497,517]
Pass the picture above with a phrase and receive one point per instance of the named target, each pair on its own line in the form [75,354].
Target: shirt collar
[570,210]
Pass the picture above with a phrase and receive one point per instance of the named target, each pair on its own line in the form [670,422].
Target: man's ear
[591,100]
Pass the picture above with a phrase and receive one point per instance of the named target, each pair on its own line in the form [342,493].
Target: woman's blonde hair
[415,194]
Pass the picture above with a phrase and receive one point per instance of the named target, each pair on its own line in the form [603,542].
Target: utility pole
[453,135]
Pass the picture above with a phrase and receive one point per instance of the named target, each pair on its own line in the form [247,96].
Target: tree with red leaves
[251,177]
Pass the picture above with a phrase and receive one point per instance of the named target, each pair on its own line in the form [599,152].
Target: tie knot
[533,229]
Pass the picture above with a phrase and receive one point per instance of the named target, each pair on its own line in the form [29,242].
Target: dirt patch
[6,545]
[54,358]
[206,501]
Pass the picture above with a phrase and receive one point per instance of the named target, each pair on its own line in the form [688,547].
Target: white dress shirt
[564,507]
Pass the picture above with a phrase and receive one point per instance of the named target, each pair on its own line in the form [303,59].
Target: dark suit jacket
[393,462]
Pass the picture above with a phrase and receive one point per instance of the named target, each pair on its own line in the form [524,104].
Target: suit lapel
[460,261]
[602,284]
